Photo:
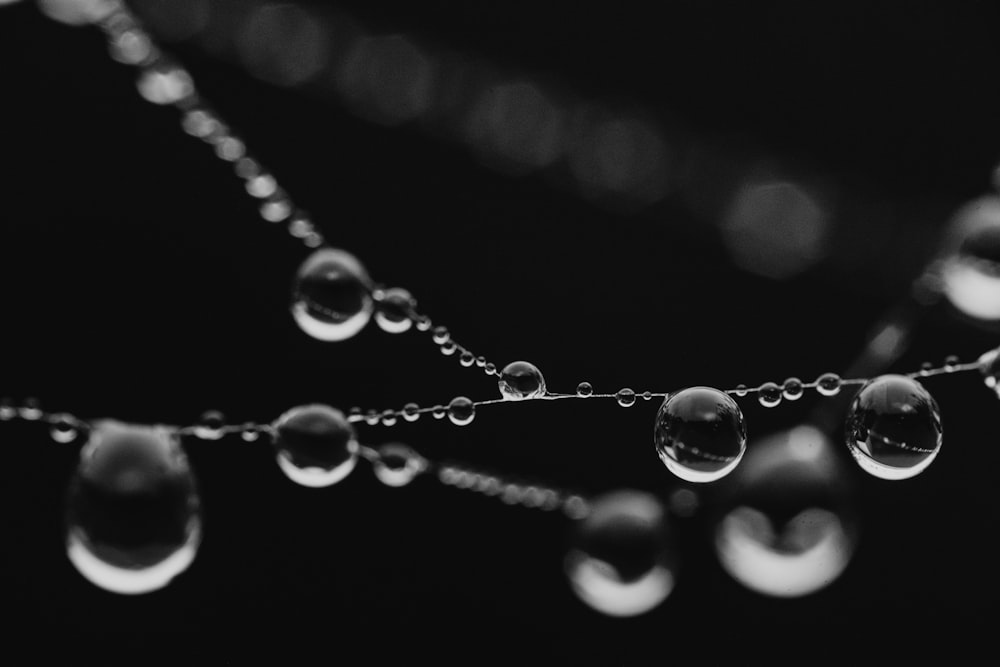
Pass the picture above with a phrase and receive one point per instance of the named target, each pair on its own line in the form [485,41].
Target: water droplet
[411,412]
[261,186]
[741,390]
[372,417]
[647,395]
[131,47]
[828,384]
[440,335]
[392,311]
[467,359]
[313,240]
[63,428]
[229,148]
[276,208]
[520,380]
[30,410]
[247,168]
[769,395]
[700,434]
[490,368]
[7,409]
[448,348]
[989,366]
[461,410]
[439,412]
[584,389]
[389,418]
[788,522]
[201,123]
[300,226]
[625,397]
[623,562]
[926,368]
[250,433]
[792,389]
[210,425]
[423,323]
[165,83]
[481,361]
[316,445]
[950,363]
[893,427]
[133,519]
[331,298]
[970,277]
[397,464]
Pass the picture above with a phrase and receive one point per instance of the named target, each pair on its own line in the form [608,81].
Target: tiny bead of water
[389,418]
[467,359]
[440,335]
[828,384]
[448,348]
[584,389]
[792,389]
[769,394]
[411,412]
[625,397]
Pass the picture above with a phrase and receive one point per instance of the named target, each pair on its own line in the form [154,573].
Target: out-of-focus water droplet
[300,226]
[250,433]
[741,390]
[787,525]
[950,363]
[440,335]
[332,295]
[792,389]
[397,464]
[490,368]
[623,561]
[829,384]
[372,417]
[970,277]
[389,418]
[133,520]
[276,209]
[7,409]
[700,434]
[423,323]
[411,412]
[30,409]
[165,83]
[625,397]
[926,368]
[466,359]
[210,425]
[480,362]
[584,389]
[461,410]
[393,310]
[316,446]
[989,366]
[769,394]
[520,380]
[201,123]
[439,412]
[893,427]
[78,12]
[448,348]
[131,47]
[63,428]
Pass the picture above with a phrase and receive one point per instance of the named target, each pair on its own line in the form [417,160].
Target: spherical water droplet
[467,359]
[623,562]
[584,389]
[926,368]
[316,445]
[893,427]
[165,83]
[461,410]
[970,277]
[950,363]
[411,412]
[276,208]
[647,395]
[481,361]
[30,409]
[490,368]
[63,428]
[261,186]
[131,47]
[201,123]
[423,323]
[520,380]
[392,311]
[133,519]
[331,299]
[700,434]
[389,418]
[372,417]
[792,389]
[250,433]
[741,390]
[229,148]
[828,384]
[397,464]
[448,348]
[439,412]
[78,12]
[989,366]
[625,397]
[440,335]
[788,522]
[210,425]
[769,394]
[7,409]
[300,226]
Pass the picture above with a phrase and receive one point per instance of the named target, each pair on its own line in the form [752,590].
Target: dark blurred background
[653,196]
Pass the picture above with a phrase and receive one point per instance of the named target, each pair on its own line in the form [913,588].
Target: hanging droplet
[623,562]
[393,310]
[133,520]
[165,83]
[584,389]
[741,390]
[372,417]
[480,362]
[625,397]
[440,335]
[210,425]
[490,368]
[893,427]
[131,47]
[448,348]
[63,428]
[250,433]
[423,323]
[769,395]
[647,395]
[788,522]
[828,384]
[439,412]
[970,277]
[792,389]
[7,409]
[389,418]
[397,464]
[989,366]
[951,363]
[466,359]
[411,412]
[521,380]
[30,409]
[700,434]
[331,298]
[316,445]
[926,368]
[461,410]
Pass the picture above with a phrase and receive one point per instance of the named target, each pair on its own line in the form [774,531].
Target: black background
[139,283]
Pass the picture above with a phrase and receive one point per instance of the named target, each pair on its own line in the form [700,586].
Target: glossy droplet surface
[989,366]
[316,446]
[625,397]
[165,83]
[397,464]
[792,389]
[461,410]
[520,380]
[828,384]
[893,427]
[623,561]
[584,389]
[63,428]
[133,521]
[769,395]
[210,425]
[411,412]
[392,311]
[331,297]
[700,434]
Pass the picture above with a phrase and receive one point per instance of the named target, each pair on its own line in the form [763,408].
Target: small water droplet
[209,425]
[440,335]
[228,147]
[461,410]
[315,445]
[63,428]
[625,397]
[950,363]
[926,368]
[769,395]
[829,384]
[389,418]
[393,310]
[7,409]
[439,412]
[647,395]
[741,390]
[397,465]
[700,434]
[448,348]
[521,380]
[131,47]
[372,417]
[423,323]
[584,389]
[467,359]
[331,298]
[411,412]
[165,83]
[261,186]
[202,124]
[30,409]
[250,433]
[792,389]
[481,361]
[276,208]
[490,368]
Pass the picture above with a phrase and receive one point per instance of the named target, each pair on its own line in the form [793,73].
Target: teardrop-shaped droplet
[133,520]
[700,434]
[393,310]
[893,427]
[520,380]
[397,465]
[316,445]
[332,295]
[623,562]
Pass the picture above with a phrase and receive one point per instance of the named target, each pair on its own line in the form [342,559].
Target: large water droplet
[623,561]
[893,427]
[133,519]
[788,523]
[700,434]
[520,380]
[332,295]
[316,445]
